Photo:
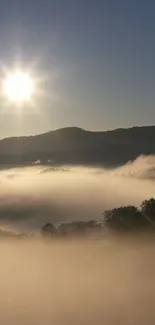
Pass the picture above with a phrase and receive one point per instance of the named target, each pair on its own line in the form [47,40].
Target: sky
[95,60]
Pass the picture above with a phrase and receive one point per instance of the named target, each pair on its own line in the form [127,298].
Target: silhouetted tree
[126,218]
[48,230]
[75,228]
[65,229]
[148,210]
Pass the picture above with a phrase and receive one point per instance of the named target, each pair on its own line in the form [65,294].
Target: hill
[77,146]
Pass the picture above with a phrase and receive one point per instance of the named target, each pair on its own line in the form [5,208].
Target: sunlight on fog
[77,282]
[36,195]
[103,281]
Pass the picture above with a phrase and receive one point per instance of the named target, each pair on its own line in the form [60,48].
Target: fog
[77,282]
[103,281]
[32,196]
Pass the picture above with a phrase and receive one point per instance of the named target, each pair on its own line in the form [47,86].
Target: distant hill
[76,146]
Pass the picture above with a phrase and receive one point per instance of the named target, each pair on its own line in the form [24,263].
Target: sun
[18,86]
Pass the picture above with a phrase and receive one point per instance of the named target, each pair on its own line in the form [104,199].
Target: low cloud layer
[86,282]
[32,196]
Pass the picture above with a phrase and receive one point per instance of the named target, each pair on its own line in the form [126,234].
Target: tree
[148,210]
[73,228]
[78,228]
[124,219]
[48,230]
[65,229]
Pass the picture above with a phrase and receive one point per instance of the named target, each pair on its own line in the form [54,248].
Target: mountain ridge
[80,129]
[74,145]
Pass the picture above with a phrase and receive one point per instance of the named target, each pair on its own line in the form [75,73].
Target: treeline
[121,219]
[73,228]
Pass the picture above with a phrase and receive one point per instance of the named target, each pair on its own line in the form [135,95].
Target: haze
[32,196]
[77,282]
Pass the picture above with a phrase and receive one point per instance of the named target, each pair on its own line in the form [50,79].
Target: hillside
[76,146]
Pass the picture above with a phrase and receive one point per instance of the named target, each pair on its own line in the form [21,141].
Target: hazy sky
[98,57]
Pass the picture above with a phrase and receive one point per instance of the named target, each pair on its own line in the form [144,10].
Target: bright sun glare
[18,86]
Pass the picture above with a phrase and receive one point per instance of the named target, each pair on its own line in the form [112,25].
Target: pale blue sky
[99,57]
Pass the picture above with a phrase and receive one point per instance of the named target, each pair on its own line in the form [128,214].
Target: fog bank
[32,196]
[83,282]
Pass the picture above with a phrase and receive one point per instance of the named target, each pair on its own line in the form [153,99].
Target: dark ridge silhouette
[74,145]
